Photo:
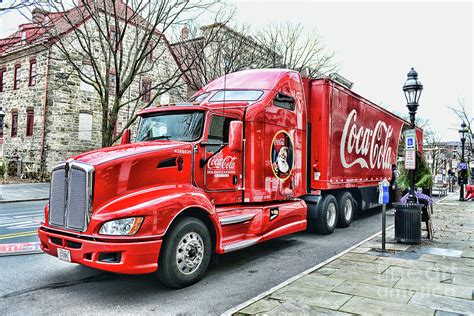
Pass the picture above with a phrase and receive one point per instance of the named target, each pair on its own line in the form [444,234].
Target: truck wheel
[327,215]
[346,210]
[185,253]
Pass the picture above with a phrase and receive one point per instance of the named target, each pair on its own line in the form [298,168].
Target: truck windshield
[236,95]
[184,126]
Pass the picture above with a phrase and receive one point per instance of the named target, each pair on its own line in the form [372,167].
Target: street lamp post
[412,89]
[462,175]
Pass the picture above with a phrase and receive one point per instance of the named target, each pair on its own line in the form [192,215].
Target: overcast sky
[376,43]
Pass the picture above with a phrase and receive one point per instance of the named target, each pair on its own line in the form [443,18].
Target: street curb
[24,200]
[308,271]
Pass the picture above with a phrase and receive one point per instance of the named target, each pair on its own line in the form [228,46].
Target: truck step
[241,218]
[240,244]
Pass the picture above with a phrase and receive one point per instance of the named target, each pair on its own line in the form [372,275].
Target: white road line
[14,224]
[302,274]
[21,213]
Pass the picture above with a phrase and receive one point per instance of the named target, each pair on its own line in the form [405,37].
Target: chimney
[184,33]
[39,15]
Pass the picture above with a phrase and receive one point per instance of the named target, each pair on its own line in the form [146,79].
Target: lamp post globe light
[462,175]
[412,89]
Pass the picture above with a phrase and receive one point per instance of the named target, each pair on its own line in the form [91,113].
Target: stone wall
[26,149]
[67,101]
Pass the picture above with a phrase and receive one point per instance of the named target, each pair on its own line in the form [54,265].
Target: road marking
[21,248]
[20,234]
[237,308]
[22,213]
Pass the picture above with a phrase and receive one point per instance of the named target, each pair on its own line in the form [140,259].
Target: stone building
[50,113]
[216,49]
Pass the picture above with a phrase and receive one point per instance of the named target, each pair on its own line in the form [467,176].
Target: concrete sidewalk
[24,192]
[433,278]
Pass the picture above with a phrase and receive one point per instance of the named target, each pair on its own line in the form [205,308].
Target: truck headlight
[121,227]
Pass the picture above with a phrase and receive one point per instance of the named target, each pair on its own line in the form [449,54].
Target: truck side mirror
[125,137]
[236,135]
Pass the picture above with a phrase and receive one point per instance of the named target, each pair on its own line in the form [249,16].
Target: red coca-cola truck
[253,156]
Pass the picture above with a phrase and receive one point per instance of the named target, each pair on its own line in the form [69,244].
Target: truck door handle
[235,180]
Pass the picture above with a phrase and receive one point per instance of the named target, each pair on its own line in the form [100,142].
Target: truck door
[223,170]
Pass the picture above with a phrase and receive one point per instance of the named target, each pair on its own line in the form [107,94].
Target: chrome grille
[70,204]
[57,198]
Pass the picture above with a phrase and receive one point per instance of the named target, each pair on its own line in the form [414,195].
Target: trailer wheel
[185,253]
[327,215]
[346,210]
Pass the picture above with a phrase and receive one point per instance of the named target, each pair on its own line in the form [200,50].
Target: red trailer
[251,157]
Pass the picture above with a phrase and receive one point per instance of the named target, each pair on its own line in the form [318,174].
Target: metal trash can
[408,222]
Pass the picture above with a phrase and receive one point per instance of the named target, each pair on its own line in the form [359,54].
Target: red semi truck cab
[254,156]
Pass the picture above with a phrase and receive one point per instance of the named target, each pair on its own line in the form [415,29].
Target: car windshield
[184,126]
[236,95]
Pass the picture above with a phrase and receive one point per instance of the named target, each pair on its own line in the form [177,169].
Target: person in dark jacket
[394,196]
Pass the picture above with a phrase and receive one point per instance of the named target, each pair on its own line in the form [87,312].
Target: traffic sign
[410,159]
[463,165]
[410,139]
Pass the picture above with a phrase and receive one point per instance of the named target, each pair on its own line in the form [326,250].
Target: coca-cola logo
[221,164]
[369,148]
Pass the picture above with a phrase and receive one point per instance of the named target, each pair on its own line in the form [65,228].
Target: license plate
[64,255]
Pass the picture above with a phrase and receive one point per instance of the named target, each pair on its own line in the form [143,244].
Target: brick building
[50,113]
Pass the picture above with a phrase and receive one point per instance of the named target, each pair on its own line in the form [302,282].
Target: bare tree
[217,49]
[111,45]
[12,5]
[461,112]
[295,49]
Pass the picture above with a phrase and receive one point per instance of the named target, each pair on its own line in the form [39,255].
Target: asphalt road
[19,221]
[41,284]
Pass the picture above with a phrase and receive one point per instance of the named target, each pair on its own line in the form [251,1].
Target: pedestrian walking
[394,192]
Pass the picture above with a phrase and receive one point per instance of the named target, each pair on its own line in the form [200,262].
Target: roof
[257,79]
[45,25]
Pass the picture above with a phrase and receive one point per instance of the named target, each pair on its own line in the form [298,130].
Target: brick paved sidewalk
[436,277]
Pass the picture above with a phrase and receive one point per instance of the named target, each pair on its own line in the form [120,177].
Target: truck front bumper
[131,257]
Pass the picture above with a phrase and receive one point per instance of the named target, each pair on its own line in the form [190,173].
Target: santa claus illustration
[281,166]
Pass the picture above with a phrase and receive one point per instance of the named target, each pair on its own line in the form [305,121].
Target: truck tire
[185,253]
[327,215]
[346,210]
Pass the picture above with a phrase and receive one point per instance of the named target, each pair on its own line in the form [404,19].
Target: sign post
[384,199]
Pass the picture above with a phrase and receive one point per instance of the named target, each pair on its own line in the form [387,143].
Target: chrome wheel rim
[348,209]
[331,215]
[189,253]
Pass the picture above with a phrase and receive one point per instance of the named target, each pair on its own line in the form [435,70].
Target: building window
[3,72]
[30,119]
[114,38]
[88,71]
[85,125]
[112,83]
[14,130]
[1,126]
[32,80]
[16,77]
[146,90]
[165,98]
[150,51]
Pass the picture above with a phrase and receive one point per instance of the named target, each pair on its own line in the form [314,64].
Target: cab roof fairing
[258,79]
